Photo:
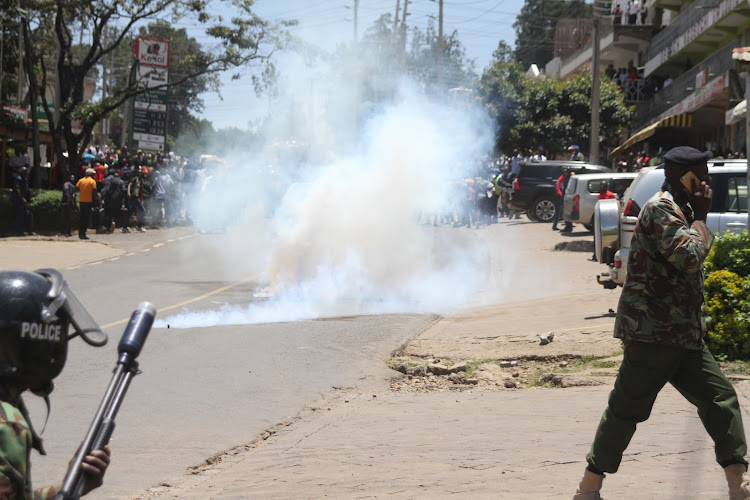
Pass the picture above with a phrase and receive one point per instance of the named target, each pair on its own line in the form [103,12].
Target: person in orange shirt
[87,187]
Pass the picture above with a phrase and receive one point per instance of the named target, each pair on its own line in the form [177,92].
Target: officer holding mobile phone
[661,322]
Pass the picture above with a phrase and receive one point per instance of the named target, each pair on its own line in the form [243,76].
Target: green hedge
[727,293]
[46,207]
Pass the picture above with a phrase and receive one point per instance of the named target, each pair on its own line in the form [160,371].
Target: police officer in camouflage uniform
[661,322]
[36,311]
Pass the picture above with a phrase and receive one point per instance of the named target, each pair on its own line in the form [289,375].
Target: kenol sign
[152,52]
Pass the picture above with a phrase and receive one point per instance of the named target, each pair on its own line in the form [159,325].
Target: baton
[103,424]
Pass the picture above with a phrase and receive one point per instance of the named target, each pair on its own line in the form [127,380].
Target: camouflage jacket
[15,453]
[662,299]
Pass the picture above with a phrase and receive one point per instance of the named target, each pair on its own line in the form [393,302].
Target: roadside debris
[546,338]
[422,375]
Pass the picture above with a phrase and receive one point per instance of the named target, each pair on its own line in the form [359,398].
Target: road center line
[186,302]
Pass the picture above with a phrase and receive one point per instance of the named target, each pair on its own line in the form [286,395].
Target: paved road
[202,390]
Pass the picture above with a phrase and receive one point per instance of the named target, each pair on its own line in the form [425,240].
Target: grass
[586,362]
[534,380]
[472,365]
[395,362]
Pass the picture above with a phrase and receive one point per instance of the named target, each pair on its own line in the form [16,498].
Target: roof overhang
[682,120]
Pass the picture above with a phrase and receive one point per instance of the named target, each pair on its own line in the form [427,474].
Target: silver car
[583,192]
[614,222]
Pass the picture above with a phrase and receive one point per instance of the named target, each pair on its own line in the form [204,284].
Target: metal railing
[716,64]
[682,23]
[634,90]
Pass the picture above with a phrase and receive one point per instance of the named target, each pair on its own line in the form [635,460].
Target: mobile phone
[690,181]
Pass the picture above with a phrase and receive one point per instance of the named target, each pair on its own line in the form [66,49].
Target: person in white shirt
[634,6]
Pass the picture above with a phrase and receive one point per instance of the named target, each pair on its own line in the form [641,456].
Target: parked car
[534,186]
[613,229]
[583,192]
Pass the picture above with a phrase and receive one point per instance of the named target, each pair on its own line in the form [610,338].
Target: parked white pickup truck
[614,221]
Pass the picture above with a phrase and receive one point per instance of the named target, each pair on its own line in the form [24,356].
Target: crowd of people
[482,199]
[635,12]
[114,189]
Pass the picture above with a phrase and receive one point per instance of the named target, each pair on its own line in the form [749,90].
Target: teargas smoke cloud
[348,235]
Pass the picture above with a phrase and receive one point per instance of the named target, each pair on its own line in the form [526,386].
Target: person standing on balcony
[634,6]
[617,14]
[644,13]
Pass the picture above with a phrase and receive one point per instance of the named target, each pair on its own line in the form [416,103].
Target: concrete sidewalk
[63,253]
[513,445]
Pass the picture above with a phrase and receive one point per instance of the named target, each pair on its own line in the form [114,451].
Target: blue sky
[480,25]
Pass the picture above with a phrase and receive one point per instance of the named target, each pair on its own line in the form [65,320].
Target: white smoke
[346,239]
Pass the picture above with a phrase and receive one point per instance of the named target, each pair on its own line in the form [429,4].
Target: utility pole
[403,29]
[356,10]
[2,37]
[106,68]
[595,94]
[395,18]
[441,45]
[20,65]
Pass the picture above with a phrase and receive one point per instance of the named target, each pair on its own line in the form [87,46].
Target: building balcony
[696,33]
[635,91]
[689,83]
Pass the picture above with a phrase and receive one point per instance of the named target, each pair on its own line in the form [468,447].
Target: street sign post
[149,111]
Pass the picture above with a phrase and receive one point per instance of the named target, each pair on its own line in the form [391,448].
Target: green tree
[545,114]
[500,89]
[535,27]
[106,25]
[9,62]
[438,66]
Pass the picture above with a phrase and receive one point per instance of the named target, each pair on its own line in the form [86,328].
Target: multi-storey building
[685,89]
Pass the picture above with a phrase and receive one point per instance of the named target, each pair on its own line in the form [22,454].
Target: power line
[483,13]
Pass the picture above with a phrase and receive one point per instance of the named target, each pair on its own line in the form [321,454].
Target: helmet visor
[63,299]
[83,324]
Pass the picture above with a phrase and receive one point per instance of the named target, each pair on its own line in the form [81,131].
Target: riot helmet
[37,310]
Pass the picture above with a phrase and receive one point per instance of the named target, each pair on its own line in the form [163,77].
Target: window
[737,194]
[595,186]
[621,184]
[719,199]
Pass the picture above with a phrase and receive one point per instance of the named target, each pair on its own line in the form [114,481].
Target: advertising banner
[152,52]
[152,76]
[20,113]
[140,136]
[150,146]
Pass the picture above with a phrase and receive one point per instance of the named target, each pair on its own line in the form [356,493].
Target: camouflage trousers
[645,369]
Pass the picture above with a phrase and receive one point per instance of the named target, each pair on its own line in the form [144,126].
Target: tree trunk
[33,98]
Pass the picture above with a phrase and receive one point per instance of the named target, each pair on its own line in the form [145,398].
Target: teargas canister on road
[606,220]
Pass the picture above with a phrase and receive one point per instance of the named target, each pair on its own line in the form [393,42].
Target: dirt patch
[420,375]
[423,375]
